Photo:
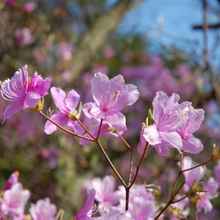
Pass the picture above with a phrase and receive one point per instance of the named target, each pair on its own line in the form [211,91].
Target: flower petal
[11,109]
[58,96]
[192,145]
[72,100]
[173,138]
[59,118]
[152,135]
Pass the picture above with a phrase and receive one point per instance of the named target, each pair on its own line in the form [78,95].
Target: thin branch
[128,146]
[99,129]
[132,182]
[198,165]
[86,129]
[66,130]
[139,166]
[99,144]
[170,201]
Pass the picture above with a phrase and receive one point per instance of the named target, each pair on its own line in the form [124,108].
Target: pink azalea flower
[191,176]
[23,91]
[85,212]
[209,192]
[192,120]
[110,96]
[43,210]
[141,203]
[174,125]
[211,187]
[14,201]
[105,191]
[115,214]
[166,115]
[67,105]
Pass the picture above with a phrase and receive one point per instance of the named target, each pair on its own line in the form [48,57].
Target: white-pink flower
[14,201]
[43,210]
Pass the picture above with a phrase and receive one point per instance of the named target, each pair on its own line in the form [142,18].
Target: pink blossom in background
[192,176]
[141,202]
[10,2]
[109,52]
[186,80]
[13,202]
[24,36]
[146,77]
[110,97]
[50,154]
[65,51]
[105,191]
[43,210]
[29,6]
[23,91]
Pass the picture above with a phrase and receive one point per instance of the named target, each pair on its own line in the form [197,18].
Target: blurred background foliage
[69,41]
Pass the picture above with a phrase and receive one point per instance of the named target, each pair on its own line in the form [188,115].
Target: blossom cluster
[14,200]
[172,124]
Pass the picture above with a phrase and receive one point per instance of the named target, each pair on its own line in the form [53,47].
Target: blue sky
[168,22]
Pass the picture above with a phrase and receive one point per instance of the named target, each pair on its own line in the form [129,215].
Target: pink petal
[59,118]
[100,87]
[173,138]
[152,135]
[192,145]
[118,122]
[11,109]
[72,100]
[91,110]
[31,100]
[133,94]
[58,96]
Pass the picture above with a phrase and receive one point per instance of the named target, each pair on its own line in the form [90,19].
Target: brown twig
[67,131]
[132,182]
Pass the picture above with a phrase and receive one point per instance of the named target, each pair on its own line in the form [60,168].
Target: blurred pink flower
[23,91]
[65,51]
[43,210]
[14,201]
[105,190]
[142,203]
[23,36]
[192,176]
[10,2]
[29,7]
